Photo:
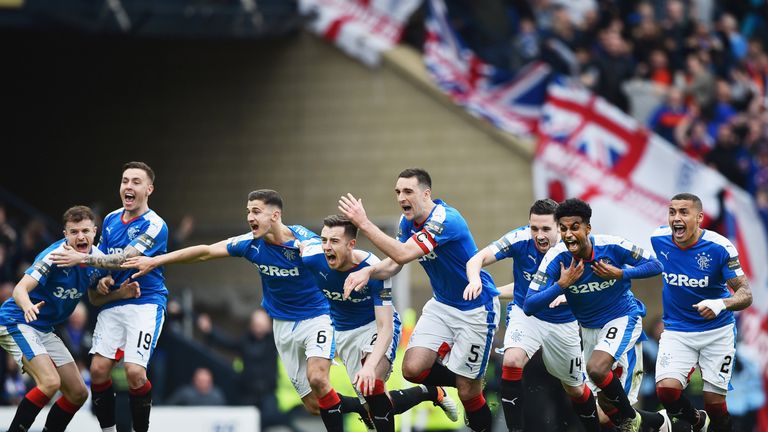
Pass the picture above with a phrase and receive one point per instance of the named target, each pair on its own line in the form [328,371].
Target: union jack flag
[511,105]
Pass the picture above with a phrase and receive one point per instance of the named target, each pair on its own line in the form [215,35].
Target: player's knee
[515,358]
[49,383]
[319,382]
[598,371]
[574,392]
[137,376]
[101,370]
[77,396]
[414,373]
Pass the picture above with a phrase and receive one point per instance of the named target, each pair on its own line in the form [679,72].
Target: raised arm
[186,255]
[365,379]
[21,297]
[401,253]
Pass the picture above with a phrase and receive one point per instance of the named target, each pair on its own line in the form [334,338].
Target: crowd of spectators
[694,71]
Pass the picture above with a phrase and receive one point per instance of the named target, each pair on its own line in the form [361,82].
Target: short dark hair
[141,166]
[574,207]
[422,176]
[686,196]
[337,220]
[267,196]
[543,207]
[77,214]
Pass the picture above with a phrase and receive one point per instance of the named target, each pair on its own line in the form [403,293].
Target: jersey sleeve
[238,246]
[543,288]
[441,227]
[381,292]
[642,263]
[42,268]
[402,230]
[731,266]
[153,240]
[508,245]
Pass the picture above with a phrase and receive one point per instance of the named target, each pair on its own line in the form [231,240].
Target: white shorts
[561,344]
[354,345]
[130,331]
[469,334]
[296,341]
[23,340]
[619,338]
[713,350]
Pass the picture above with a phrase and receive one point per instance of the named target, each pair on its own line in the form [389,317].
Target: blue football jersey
[289,290]
[358,309]
[60,287]
[148,234]
[594,300]
[448,245]
[519,245]
[693,274]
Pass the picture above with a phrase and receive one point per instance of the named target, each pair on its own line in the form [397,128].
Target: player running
[304,335]
[127,328]
[367,324]
[595,272]
[699,326]
[436,235]
[553,329]
[44,297]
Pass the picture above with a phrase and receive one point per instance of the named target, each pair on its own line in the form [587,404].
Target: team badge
[290,254]
[703,260]
[133,232]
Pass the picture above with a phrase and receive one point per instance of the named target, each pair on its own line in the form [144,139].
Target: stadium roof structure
[156,18]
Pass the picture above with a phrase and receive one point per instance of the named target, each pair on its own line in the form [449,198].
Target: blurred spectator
[256,348]
[615,66]
[700,84]
[692,136]
[647,396]
[182,233]
[34,238]
[669,115]
[722,111]
[730,158]
[6,272]
[201,392]
[747,396]
[7,232]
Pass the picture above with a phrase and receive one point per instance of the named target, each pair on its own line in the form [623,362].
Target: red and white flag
[361,28]
[591,150]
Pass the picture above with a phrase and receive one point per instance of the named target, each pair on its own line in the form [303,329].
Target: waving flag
[361,28]
[511,105]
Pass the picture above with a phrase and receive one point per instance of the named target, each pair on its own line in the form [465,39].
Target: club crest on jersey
[703,260]
[289,254]
[133,232]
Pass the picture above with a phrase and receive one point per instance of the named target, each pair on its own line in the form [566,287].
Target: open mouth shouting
[333,260]
[542,243]
[679,231]
[572,245]
[82,246]
[129,198]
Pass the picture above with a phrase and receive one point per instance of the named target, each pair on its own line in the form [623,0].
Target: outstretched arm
[69,257]
[186,255]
